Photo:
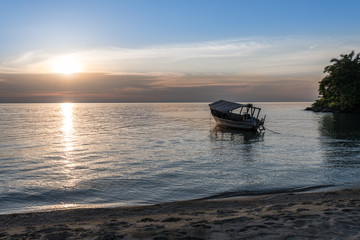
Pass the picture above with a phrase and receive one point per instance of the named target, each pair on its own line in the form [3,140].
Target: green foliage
[340,88]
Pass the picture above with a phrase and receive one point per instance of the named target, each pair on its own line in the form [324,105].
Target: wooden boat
[236,115]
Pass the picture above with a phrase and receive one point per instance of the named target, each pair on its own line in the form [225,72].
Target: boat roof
[226,106]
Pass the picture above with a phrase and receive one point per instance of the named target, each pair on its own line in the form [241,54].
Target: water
[57,156]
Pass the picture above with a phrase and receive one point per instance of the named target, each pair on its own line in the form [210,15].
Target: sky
[171,50]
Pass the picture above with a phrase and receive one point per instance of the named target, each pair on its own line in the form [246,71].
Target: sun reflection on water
[67,127]
[68,141]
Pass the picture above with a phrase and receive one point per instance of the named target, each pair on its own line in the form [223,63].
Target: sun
[67,65]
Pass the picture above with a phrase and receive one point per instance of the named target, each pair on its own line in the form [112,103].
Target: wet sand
[324,215]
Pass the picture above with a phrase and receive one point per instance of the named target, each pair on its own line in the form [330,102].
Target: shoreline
[219,196]
[331,214]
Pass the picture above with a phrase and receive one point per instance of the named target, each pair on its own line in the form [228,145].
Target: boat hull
[243,125]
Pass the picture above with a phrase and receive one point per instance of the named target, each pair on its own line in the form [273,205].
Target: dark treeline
[339,90]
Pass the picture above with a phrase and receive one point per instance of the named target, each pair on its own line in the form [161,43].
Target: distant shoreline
[328,214]
[155,102]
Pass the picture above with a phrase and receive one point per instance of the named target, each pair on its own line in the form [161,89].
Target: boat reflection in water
[222,133]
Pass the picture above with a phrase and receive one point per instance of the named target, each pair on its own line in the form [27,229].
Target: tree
[339,90]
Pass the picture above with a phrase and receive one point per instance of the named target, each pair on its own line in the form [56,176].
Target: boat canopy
[226,106]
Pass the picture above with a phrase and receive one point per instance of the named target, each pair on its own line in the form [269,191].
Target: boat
[236,115]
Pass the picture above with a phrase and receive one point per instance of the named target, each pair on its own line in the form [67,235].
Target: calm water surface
[55,156]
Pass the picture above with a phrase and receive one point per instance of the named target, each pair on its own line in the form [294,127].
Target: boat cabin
[234,111]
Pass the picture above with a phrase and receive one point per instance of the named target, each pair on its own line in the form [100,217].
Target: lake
[73,155]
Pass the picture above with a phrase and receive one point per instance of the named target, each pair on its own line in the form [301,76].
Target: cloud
[25,63]
[268,56]
[257,69]
[100,87]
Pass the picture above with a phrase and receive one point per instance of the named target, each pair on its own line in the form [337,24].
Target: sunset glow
[67,65]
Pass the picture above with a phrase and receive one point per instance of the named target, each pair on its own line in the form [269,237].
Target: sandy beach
[320,215]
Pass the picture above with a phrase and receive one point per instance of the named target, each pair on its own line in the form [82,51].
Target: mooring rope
[272,131]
